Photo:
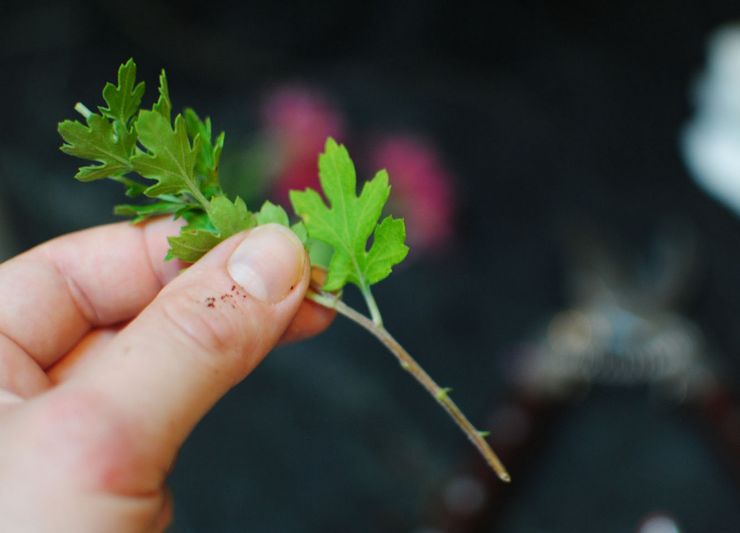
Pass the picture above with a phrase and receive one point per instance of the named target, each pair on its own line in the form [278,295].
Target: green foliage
[350,220]
[170,159]
[173,164]
[178,162]
[123,99]
[97,141]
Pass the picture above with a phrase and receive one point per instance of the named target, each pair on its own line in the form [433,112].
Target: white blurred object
[711,141]
[659,523]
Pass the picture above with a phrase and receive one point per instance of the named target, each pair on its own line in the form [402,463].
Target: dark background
[554,116]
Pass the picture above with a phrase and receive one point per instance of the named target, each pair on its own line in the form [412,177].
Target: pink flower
[422,189]
[298,120]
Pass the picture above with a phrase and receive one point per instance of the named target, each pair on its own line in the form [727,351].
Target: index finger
[55,293]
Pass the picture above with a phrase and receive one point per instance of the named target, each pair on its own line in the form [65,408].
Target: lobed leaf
[123,99]
[96,141]
[350,220]
[170,159]
[163,105]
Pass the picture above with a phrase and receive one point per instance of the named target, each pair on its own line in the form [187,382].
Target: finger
[311,319]
[92,345]
[205,331]
[166,512]
[90,278]
[19,374]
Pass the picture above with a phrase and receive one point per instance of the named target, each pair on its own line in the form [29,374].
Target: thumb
[203,333]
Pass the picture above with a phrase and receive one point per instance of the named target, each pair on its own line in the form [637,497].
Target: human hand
[104,373]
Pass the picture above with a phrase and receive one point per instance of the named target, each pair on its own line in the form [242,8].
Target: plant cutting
[172,165]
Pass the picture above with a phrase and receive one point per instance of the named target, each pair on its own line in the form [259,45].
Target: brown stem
[409,364]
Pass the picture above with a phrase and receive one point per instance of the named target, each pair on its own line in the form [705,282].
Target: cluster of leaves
[173,164]
[131,145]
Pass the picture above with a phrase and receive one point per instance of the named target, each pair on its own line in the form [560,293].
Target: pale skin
[109,356]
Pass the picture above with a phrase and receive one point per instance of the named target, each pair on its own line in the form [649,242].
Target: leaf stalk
[372,306]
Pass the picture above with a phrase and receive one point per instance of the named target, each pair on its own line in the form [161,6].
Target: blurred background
[570,175]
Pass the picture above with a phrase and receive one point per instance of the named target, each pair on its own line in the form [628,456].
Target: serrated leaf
[124,98]
[218,148]
[230,218]
[197,219]
[299,228]
[192,244]
[204,231]
[271,213]
[170,159]
[319,252]
[163,105]
[96,141]
[134,189]
[210,153]
[388,249]
[350,220]
[145,211]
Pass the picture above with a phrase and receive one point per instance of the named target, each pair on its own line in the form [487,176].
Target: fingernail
[268,263]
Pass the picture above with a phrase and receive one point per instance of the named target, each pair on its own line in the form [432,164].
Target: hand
[108,359]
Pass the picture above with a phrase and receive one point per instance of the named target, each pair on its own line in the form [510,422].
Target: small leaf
[387,250]
[191,244]
[145,211]
[123,99]
[204,231]
[134,189]
[95,142]
[443,393]
[163,105]
[271,213]
[300,231]
[209,154]
[170,159]
[230,218]
[319,252]
[350,220]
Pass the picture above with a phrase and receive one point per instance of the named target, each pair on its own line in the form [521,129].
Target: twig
[408,363]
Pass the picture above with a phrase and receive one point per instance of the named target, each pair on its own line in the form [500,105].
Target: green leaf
[170,159]
[388,249]
[319,252]
[209,155]
[144,211]
[271,213]
[230,218]
[299,228]
[350,220]
[197,219]
[224,219]
[107,138]
[134,189]
[192,244]
[96,141]
[123,99]
[163,105]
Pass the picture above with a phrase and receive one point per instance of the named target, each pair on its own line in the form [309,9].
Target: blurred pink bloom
[298,120]
[423,190]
